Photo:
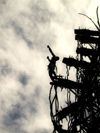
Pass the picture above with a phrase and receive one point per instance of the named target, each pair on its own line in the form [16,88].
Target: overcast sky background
[26,28]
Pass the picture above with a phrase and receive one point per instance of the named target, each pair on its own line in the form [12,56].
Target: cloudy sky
[26,28]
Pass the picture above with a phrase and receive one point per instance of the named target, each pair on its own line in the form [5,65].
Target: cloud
[3,1]
[26,27]
[23,78]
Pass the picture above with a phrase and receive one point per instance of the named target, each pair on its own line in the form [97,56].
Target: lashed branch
[91,21]
[98,17]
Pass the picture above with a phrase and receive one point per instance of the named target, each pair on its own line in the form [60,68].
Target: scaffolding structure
[81,114]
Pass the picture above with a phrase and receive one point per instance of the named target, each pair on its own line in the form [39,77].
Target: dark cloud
[19,31]
[31,106]
[13,115]
[23,78]
[3,1]
[34,27]
[10,120]
[41,13]
[37,91]
[5,67]
[28,104]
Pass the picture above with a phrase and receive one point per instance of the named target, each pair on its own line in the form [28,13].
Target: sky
[26,28]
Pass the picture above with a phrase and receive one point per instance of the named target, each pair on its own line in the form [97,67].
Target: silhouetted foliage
[82,111]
